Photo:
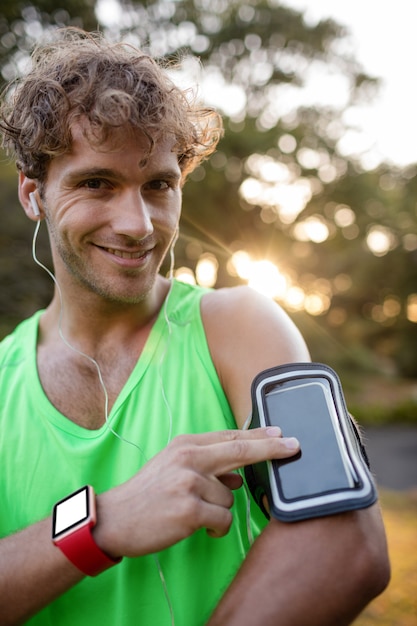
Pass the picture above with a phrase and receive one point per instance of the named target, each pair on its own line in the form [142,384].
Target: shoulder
[244,317]
[22,336]
[247,333]
[243,300]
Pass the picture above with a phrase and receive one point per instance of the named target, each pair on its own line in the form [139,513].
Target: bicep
[327,568]
[248,333]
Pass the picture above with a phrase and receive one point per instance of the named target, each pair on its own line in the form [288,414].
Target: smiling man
[135,387]
[114,253]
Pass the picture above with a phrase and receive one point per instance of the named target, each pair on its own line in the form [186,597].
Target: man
[139,385]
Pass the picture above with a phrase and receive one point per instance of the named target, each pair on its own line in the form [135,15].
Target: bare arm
[327,569]
[33,573]
[319,572]
[146,514]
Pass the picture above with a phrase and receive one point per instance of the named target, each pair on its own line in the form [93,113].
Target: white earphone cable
[103,386]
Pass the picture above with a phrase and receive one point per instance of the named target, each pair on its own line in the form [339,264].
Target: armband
[331,473]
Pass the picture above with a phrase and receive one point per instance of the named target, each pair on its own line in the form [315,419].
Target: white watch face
[71,511]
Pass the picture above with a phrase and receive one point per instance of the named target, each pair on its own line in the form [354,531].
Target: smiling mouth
[123,254]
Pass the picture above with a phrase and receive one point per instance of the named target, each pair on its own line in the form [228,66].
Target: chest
[82,389]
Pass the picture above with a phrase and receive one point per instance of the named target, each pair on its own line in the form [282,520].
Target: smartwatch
[72,521]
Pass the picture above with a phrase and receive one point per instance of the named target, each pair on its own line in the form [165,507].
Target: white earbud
[34,204]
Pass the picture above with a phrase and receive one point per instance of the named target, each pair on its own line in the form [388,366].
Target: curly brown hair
[81,76]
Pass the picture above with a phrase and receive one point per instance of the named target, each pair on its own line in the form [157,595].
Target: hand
[187,486]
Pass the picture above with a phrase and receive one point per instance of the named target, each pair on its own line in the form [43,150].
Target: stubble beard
[108,290]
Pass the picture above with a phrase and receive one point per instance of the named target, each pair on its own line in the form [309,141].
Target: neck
[90,323]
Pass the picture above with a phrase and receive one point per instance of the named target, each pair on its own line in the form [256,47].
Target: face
[112,216]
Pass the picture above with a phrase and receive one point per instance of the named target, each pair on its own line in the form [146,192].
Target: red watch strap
[80,548]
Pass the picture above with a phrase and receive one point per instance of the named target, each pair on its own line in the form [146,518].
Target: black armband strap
[331,472]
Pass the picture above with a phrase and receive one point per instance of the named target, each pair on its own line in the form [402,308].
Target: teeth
[125,255]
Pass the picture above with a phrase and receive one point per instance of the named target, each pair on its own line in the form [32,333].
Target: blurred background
[310,198]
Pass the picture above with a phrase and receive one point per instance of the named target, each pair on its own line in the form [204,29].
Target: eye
[96,183]
[159,185]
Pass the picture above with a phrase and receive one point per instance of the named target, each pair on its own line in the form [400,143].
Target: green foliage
[266,50]
[22,24]
[380,415]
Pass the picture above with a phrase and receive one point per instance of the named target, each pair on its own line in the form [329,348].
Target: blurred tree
[369,262]
[337,238]
[23,23]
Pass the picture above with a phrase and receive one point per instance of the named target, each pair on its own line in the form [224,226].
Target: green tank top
[173,389]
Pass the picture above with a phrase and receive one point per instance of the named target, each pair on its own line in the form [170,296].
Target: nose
[132,216]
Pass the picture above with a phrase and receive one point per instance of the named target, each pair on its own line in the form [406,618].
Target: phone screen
[304,409]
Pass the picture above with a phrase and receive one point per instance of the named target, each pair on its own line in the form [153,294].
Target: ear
[29,197]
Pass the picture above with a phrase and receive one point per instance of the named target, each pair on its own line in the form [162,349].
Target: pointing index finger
[235,449]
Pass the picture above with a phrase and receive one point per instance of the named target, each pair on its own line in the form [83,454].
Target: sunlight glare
[294,299]
[206,270]
[267,279]
[108,12]
[273,184]
[215,91]
[240,264]
[311,229]
[316,303]
[287,143]
[268,169]
[391,306]
[344,216]
[185,275]
[412,308]
[251,190]
[380,240]
[308,158]
[292,200]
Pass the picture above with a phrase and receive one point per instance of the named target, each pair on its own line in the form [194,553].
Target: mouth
[124,254]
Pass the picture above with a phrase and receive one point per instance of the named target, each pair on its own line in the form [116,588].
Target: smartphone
[329,474]
[304,409]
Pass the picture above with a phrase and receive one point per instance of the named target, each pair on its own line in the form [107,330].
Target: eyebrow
[103,172]
[91,172]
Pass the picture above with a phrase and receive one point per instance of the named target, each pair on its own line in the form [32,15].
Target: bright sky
[386,45]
